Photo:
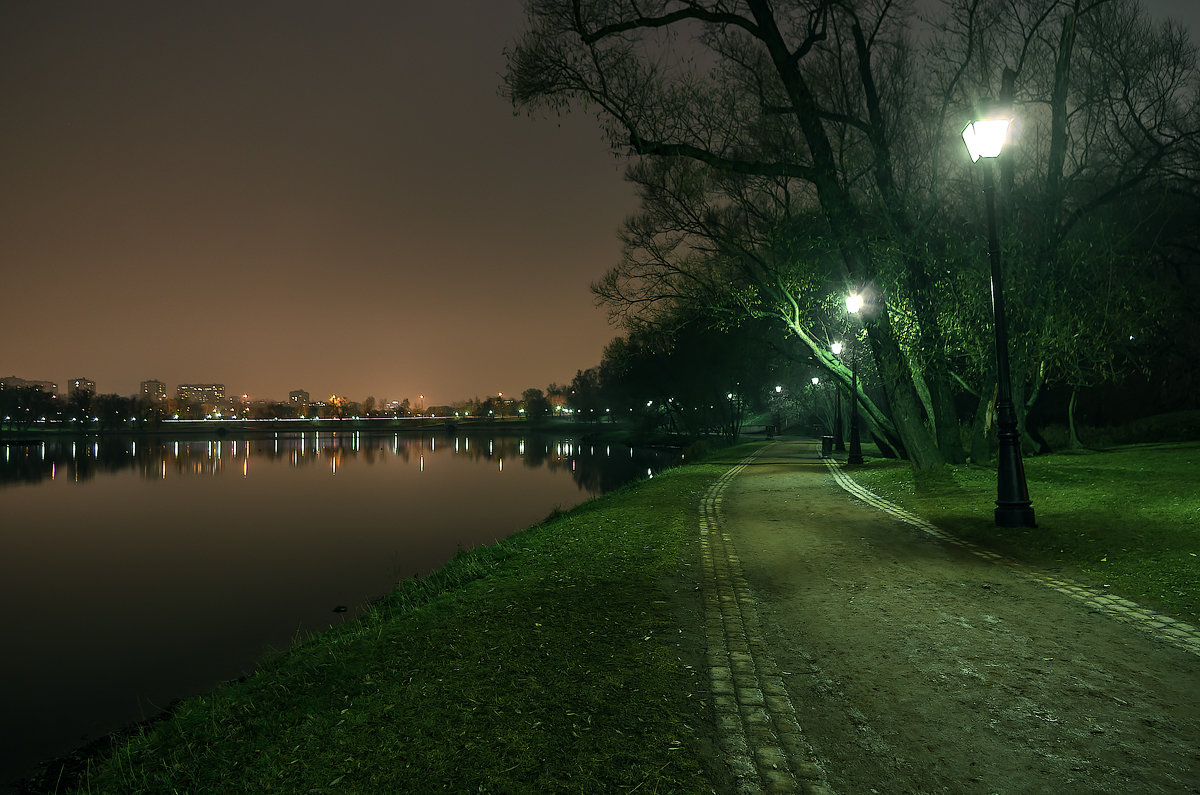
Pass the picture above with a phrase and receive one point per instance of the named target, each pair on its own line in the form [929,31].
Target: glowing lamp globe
[985,137]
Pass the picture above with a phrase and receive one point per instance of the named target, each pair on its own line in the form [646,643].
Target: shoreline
[427,612]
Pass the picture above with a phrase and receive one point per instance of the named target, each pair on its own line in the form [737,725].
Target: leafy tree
[536,406]
[21,406]
[790,153]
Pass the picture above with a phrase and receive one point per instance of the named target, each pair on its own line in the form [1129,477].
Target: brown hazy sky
[301,194]
[296,194]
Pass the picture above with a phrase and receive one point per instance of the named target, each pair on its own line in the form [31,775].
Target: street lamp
[854,304]
[839,443]
[985,139]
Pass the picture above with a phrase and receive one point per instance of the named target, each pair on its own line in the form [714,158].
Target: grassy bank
[1127,518]
[567,657]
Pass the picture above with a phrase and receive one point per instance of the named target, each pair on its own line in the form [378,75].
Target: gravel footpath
[853,652]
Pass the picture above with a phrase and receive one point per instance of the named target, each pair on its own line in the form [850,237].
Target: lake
[139,571]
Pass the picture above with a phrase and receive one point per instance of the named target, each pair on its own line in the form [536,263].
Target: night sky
[293,195]
[296,195]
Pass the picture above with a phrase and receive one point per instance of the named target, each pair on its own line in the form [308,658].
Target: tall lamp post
[854,306]
[985,139]
[839,444]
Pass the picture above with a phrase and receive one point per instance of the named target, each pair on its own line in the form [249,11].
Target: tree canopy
[790,153]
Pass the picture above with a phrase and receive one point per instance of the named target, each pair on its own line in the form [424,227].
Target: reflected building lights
[206,457]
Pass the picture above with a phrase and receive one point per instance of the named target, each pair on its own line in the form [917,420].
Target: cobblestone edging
[760,736]
[1177,633]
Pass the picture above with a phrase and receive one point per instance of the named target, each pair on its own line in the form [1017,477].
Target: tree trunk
[918,443]
[1073,442]
[985,410]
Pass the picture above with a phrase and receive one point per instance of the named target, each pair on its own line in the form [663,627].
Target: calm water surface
[136,572]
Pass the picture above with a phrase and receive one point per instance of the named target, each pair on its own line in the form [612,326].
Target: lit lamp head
[986,137]
[854,303]
[836,348]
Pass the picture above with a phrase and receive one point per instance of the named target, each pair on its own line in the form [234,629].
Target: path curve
[854,650]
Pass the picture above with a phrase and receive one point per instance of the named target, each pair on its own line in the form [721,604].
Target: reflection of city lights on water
[421,463]
[164,470]
[53,465]
[501,464]
[521,447]
[246,467]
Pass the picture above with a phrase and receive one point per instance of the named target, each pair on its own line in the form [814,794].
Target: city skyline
[63,388]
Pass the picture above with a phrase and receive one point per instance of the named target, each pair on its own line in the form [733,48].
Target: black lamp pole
[855,456]
[839,444]
[1013,506]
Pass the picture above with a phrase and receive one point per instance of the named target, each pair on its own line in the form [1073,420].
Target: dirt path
[914,666]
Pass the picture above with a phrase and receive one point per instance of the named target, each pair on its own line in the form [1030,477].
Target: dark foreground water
[136,572]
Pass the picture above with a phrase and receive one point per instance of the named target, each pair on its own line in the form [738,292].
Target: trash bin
[826,446]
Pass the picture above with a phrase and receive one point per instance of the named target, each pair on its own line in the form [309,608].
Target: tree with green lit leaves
[789,153]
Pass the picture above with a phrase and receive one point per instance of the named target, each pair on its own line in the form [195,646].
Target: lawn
[553,661]
[1127,518]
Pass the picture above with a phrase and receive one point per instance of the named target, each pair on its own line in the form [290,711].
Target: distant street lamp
[839,443]
[854,304]
[985,139]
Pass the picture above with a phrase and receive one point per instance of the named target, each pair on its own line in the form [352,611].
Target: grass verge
[1127,518]
[560,659]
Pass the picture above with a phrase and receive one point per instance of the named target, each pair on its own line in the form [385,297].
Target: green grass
[558,660]
[1127,519]
[569,658]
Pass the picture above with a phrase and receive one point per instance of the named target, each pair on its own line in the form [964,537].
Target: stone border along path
[759,734]
[1177,633]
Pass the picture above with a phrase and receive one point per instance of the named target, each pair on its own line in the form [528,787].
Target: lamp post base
[855,456]
[1016,514]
